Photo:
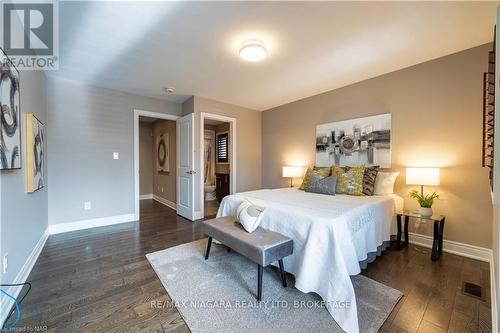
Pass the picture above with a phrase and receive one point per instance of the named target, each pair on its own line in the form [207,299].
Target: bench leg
[260,271]
[282,273]
[208,247]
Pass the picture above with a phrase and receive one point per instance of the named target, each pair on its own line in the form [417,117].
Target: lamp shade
[422,176]
[292,171]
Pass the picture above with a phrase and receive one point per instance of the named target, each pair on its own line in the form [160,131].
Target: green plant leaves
[425,200]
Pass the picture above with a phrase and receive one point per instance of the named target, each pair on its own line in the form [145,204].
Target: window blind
[222,148]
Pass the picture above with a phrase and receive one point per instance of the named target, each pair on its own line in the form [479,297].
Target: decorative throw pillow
[349,179]
[322,185]
[369,180]
[323,172]
[384,184]
[249,215]
[324,169]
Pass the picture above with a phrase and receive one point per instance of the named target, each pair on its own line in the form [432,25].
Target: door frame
[151,114]
[233,157]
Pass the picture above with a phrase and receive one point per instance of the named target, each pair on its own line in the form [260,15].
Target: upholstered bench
[261,246]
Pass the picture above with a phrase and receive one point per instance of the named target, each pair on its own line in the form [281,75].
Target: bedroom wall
[86,125]
[164,183]
[146,147]
[436,112]
[23,216]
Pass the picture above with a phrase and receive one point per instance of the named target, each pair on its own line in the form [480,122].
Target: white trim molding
[494,294]
[91,223]
[233,156]
[150,114]
[164,201]
[464,250]
[146,196]
[22,276]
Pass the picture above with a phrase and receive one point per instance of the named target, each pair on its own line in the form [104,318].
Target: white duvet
[331,235]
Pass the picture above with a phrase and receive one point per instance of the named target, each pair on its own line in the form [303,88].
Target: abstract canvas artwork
[361,141]
[162,153]
[35,154]
[10,114]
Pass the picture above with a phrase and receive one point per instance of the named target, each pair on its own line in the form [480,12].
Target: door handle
[191,172]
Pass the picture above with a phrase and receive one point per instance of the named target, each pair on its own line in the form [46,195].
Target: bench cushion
[261,246]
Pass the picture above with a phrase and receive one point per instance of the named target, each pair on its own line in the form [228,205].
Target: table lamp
[292,172]
[422,176]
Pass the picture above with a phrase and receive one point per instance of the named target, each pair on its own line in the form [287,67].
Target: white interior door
[185,166]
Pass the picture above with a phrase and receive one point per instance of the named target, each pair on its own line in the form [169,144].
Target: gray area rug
[218,295]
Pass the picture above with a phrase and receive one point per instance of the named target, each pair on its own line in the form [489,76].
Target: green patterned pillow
[323,172]
[349,179]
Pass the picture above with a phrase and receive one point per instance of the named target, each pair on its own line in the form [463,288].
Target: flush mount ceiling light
[253,50]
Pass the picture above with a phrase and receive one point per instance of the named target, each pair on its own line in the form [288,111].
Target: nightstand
[437,243]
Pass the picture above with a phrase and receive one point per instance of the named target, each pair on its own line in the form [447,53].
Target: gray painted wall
[146,147]
[23,216]
[88,124]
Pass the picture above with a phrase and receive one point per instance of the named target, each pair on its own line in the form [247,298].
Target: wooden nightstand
[437,243]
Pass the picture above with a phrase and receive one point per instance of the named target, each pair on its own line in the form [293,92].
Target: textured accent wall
[86,125]
[436,112]
[23,216]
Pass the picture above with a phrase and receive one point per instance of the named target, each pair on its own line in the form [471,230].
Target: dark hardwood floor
[99,280]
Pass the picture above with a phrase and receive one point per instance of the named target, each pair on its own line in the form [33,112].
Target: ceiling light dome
[253,50]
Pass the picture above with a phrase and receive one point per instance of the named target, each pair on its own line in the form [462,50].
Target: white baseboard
[166,202]
[6,304]
[493,286]
[464,250]
[145,196]
[92,223]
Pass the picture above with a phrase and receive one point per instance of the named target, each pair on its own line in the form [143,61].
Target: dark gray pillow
[369,178]
[321,185]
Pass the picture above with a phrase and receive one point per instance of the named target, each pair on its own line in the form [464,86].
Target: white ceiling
[313,46]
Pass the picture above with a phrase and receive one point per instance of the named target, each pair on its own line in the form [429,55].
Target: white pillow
[384,183]
[249,215]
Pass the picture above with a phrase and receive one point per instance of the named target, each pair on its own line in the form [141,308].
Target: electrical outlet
[87,205]
[162,189]
[5,263]
[116,156]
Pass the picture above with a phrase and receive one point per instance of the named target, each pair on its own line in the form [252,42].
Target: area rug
[218,295]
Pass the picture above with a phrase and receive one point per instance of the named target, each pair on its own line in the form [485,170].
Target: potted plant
[425,201]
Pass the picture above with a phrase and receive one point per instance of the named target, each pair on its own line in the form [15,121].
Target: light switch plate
[116,156]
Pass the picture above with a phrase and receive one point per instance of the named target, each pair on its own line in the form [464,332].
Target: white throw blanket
[331,235]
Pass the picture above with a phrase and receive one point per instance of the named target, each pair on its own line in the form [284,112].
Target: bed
[332,236]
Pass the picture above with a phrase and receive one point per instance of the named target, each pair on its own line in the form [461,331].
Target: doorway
[217,161]
[157,172]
